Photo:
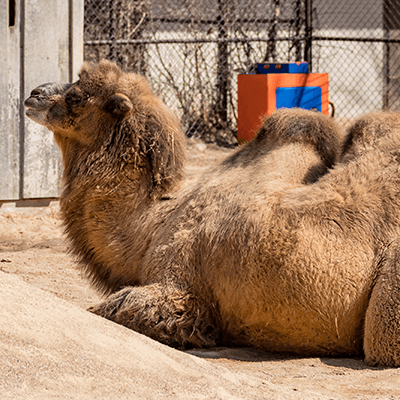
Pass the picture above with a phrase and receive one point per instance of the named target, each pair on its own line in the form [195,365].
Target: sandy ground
[52,348]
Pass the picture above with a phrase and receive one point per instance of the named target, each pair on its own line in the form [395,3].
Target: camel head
[77,111]
[113,120]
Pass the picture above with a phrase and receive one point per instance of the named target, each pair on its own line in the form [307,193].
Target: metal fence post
[297,30]
[271,46]
[386,68]
[112,21]
[308,29]
[222,68]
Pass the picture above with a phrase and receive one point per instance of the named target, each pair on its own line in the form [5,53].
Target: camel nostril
[36,92]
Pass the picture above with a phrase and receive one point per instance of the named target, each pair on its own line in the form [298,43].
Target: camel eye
[73,98]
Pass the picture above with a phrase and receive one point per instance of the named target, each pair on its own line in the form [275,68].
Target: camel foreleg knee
[168,315]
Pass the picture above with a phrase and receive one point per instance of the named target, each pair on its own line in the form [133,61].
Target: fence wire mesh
[357,43]
[192,51]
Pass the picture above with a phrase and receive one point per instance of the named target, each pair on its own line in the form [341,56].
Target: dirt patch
[52,348]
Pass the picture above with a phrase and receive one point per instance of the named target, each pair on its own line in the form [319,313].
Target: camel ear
[119,105]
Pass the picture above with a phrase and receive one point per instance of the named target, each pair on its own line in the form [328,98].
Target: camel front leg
[382,322]
[166,314]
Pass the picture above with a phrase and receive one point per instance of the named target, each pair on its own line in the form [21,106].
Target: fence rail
[189,41]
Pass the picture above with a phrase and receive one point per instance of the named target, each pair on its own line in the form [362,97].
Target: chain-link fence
[357,43]
[192,50]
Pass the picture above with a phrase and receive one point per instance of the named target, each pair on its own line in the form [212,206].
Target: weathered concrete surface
[10,72]
[45,43]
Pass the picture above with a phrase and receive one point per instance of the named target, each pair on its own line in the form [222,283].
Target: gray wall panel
[45,60]
[47,46]
[9,103]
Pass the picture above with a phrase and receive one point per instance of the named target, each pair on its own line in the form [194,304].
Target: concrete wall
[44,43]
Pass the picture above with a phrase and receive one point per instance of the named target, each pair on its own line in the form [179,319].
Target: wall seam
[21,100]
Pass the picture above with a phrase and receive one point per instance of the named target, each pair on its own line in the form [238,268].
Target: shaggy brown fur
[365,131]
[382,320]
[259,252]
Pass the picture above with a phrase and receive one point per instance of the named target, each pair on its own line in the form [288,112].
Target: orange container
[257,97]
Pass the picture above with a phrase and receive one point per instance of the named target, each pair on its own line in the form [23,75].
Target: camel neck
[109,217]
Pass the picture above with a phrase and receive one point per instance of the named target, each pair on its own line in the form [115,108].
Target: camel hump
[304,126]
[367,130]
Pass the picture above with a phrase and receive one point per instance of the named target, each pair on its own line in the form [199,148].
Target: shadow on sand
[256,355]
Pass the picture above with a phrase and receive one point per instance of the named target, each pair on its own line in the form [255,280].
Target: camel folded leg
[168,315]
[382,322]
